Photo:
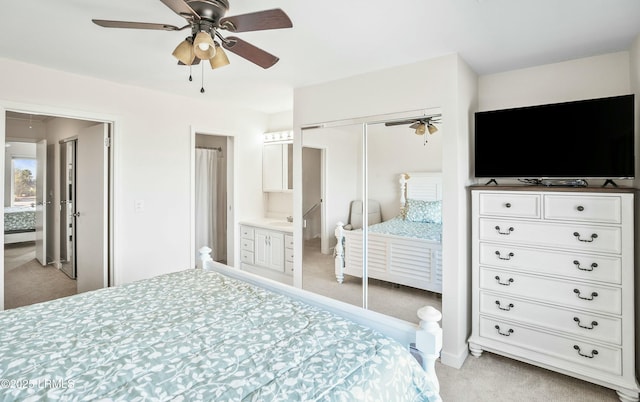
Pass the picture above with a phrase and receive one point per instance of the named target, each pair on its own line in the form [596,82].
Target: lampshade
[203,46]
[432,128]
[421,129]
[220,59]
[184,52]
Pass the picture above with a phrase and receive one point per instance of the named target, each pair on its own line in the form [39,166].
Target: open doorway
[212,196]
[33,258]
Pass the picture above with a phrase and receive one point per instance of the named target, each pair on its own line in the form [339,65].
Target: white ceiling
[331,39]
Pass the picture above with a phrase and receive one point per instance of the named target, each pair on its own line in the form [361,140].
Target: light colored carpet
[27,282]
[489,378]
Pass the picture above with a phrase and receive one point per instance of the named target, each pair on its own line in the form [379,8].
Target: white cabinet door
[269,249]
[272,173]
[277,167]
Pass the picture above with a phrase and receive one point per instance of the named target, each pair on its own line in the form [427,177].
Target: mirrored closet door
[345,239]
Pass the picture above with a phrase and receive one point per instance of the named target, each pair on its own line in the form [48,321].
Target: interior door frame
[112,173]
[230,158]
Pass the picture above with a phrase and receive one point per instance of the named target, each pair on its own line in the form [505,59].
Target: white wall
[444,83]
[152,134]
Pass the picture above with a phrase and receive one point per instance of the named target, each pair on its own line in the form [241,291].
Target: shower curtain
[210,203]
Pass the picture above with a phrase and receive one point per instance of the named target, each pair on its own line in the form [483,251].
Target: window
[24,181]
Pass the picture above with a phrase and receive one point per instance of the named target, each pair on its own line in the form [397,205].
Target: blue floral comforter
[400,227]
[19,219]
[197,335]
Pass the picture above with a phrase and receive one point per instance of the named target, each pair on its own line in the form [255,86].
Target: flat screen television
[571,140]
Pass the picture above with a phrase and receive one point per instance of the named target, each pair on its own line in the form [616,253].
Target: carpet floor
[27,282]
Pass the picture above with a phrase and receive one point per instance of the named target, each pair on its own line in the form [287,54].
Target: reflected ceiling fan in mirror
[206,18]
[420,125]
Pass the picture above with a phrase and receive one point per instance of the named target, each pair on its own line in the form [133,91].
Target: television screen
[572,140]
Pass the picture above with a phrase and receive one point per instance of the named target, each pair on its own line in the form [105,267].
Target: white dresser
[553,281]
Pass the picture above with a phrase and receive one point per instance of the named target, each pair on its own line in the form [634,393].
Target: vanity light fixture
[279,136]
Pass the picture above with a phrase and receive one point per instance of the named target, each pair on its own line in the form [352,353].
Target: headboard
[426,186]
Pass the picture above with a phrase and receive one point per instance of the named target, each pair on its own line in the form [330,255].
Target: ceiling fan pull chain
[190,77]
[202,86]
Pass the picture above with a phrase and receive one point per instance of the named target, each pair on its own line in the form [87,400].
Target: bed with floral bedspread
[198,335]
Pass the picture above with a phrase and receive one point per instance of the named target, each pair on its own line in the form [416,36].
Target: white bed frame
[396,259]
[19,237]
[424,340]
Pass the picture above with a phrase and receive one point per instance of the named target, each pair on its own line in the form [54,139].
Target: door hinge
[107,142]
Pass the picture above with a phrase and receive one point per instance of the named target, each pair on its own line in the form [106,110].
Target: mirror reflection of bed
[403,271]
[405,253]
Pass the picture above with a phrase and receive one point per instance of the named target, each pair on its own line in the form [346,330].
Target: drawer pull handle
[580,208]
[508,205]
[591,356]
[593,295]
[590,268]
[593,237]
[508,232]
[508,308]
[507,258]
[508,333]
[593,323]
[507,283]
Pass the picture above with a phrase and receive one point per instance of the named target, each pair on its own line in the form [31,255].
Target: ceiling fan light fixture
[432,128]
[184,52]
[203,46]
[421,129]
[220,59]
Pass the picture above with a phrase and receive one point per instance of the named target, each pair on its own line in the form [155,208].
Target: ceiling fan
[206,18]
[421,125]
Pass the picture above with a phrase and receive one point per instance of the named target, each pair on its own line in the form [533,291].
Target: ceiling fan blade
[258,21]
[399,123]
[135,25]
[181,8]
[250,52]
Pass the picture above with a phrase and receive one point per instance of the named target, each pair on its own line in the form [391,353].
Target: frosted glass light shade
[184,52]
[432,128]
[421,129]
[220,59]
[203,46]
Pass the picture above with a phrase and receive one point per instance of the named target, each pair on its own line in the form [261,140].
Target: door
[91,217]
[41,202]
[67,207]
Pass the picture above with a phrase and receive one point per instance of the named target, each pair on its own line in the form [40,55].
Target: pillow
[423,211]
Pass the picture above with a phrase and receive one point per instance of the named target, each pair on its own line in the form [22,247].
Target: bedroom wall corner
[456,305]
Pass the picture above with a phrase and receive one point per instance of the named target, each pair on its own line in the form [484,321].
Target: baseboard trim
[454,360]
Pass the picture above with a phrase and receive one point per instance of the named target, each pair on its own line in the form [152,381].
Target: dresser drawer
[597,357]
[571,264]
[565,293]
[246,256]
[246,232]
[246,244]
[510,204]
[288,241]
[592,326]
[603,209]
[591,238]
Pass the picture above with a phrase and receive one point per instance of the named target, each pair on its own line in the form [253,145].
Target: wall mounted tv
[583,139]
